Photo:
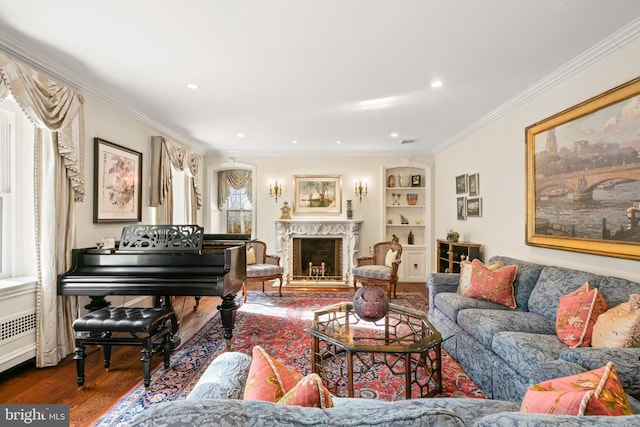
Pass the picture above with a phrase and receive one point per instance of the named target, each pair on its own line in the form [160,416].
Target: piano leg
[227,310]
[97,302]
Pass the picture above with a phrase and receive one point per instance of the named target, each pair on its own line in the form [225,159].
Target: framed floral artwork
[117,184]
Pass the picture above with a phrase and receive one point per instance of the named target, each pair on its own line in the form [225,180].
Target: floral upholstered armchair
[261,266]
[381,268]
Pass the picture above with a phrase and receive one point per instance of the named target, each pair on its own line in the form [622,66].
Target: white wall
[283,169]
[497,153]
[105,122]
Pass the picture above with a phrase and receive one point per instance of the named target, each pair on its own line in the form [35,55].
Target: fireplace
[304,245]
[317,258]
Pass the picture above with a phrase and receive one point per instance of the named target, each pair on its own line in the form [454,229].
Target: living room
[493,147]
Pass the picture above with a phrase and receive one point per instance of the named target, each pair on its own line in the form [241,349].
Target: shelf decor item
[416,180]
[391,181]
[412,199]
[349,209]
[286,211]
[410,238]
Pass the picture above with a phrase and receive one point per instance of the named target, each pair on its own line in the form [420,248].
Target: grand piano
[161,261]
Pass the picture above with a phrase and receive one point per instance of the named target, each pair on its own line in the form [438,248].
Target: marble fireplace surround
[287,230]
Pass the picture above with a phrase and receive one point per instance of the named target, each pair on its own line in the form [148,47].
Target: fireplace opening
[317,258]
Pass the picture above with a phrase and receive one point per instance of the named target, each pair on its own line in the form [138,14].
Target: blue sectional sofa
[505,350]
[216,401]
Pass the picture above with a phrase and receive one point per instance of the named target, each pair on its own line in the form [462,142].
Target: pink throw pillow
[268,379]
[309,392]
[577,313]
[492,285]
[596,392]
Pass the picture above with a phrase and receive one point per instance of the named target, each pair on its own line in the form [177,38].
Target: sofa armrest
[225,378]
[625,362]
[522,419]
[441,282]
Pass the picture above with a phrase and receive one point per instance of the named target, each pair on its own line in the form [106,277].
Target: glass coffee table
[404,341]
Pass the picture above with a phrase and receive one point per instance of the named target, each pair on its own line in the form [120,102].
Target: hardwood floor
[30,385]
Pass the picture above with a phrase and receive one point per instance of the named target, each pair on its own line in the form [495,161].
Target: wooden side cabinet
[450,254]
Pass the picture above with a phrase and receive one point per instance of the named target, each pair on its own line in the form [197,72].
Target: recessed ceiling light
[240,135]
[192,86]
[338,142]
[436,83]
[394,134]
[295,141]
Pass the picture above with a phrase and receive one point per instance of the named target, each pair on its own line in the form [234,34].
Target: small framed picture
[416,180]
[474,184]
[461,184]
[461,208]
[474,206]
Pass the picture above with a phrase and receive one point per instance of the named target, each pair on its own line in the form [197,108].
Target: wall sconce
[275,190]
[361,189]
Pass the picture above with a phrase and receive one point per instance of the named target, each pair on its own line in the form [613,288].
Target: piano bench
[146,327]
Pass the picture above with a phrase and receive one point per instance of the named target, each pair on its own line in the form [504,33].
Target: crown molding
[18,50]
[615,41]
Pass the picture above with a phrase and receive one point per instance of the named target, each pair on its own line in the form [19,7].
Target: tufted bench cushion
[122,319]
[146,327]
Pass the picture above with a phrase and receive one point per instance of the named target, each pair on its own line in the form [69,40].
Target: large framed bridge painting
[583,176]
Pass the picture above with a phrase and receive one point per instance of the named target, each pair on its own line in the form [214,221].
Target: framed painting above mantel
[583,176]
[118,183]
[318,194]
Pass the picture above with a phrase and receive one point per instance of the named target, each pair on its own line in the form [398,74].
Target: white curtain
[164,156]
[59,182]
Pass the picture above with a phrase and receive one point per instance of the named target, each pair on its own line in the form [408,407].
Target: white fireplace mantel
[287,230]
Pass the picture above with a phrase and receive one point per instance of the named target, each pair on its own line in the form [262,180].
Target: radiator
[17,321]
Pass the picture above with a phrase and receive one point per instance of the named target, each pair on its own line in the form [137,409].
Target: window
[239,212]
[180,192]
[17,217]
[235,200]
[7,125]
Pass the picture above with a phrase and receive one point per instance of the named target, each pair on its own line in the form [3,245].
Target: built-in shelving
[402,217]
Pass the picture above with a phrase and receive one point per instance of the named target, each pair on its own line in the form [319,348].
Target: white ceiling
[315,71]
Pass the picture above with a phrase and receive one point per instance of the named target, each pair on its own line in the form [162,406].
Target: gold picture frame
[583,176]
[318,194]
[117,184]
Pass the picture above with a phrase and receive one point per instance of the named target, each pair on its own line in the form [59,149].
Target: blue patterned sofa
[507,350]
[215,401]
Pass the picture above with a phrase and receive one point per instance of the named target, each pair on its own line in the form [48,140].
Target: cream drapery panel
[164,156]
[236,179]
[58,173]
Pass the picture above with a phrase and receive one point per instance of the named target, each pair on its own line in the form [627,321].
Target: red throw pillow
[492,285]
[596,392]
[268,379]
[577,313]
[308,392]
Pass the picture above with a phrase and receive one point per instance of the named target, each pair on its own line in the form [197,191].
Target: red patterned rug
[280,325]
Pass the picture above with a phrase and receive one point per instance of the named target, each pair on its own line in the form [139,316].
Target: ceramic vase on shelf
[412,199]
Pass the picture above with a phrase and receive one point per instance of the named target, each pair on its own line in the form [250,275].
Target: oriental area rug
[281,326]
